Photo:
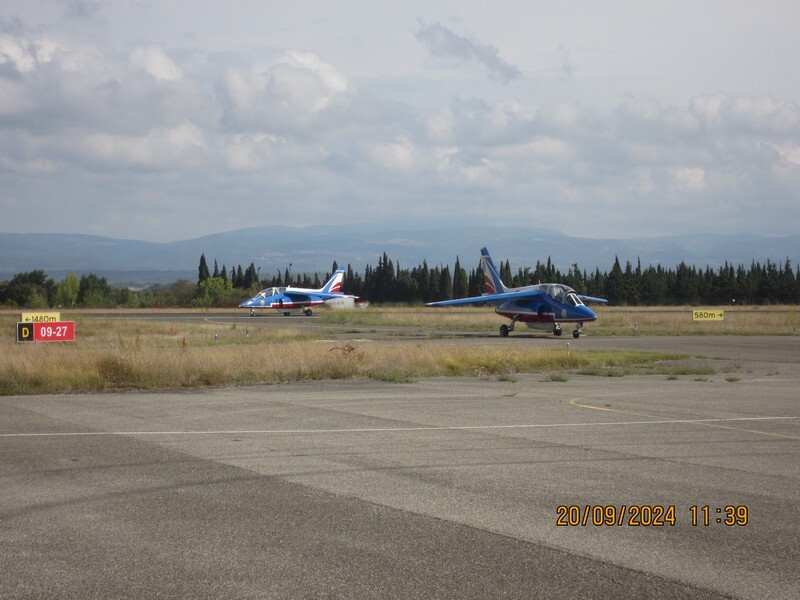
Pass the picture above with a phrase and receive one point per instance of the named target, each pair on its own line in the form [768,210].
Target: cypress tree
[460,281]
[445,284]
[203,272]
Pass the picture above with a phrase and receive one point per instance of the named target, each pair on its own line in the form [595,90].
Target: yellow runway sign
[700,314]
[40,317]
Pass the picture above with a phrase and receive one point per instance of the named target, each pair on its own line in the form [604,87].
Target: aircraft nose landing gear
[577,333]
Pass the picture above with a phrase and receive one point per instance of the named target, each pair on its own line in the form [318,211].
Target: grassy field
[112,354]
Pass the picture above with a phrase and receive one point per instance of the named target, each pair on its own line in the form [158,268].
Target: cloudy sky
[164,120]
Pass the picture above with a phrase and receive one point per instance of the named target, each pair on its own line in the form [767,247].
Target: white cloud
[15,52]
[176,147]
[154,61]
[789,152]
[250,152]
[333,82]
[763,114]
[397,155]
[293,89]
[689,178]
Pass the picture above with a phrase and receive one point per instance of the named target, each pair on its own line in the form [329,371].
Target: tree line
[388,282]
[35,290]
[768,283]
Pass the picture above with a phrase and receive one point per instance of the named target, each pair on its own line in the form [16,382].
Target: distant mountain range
[313,249]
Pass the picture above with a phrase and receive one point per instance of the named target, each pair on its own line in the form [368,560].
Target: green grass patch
[507,378]
[555,378]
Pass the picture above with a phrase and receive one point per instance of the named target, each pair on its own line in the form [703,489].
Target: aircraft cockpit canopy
[267,292]
[564,294]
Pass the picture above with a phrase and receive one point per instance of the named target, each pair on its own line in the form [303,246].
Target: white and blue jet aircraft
[287,299]
[542,306]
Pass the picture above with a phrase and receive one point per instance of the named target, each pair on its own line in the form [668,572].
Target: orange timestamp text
[648,515]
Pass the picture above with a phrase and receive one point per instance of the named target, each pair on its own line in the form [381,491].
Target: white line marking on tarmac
[388,429]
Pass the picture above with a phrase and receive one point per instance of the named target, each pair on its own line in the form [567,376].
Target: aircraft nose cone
[587,313]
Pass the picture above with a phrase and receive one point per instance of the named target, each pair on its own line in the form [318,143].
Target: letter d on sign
[24,332]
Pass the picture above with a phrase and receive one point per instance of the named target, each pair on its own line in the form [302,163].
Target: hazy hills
[313,249]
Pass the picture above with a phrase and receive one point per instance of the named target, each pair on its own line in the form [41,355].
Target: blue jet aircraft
[286,299]
[543,306]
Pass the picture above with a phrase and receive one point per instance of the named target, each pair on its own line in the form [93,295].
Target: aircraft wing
[591,299]
[488,299]
[298,297]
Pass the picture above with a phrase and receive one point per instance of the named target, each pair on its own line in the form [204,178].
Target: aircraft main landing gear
[307,312]
[557,329]
[506,329]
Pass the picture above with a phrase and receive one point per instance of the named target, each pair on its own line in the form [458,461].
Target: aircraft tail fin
[334,285]
[491,277]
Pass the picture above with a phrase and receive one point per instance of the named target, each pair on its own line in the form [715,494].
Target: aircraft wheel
[557,331]
[308,312]
[286,314]
[576,334]
[503,330]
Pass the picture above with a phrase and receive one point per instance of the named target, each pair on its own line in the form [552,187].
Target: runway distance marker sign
[700,314]
[40,317]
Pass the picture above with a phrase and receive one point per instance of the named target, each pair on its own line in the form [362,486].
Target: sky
[164,120]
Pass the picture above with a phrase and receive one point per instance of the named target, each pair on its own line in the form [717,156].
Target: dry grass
[142,354]
[112,354]
[52,368]
[36,369]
